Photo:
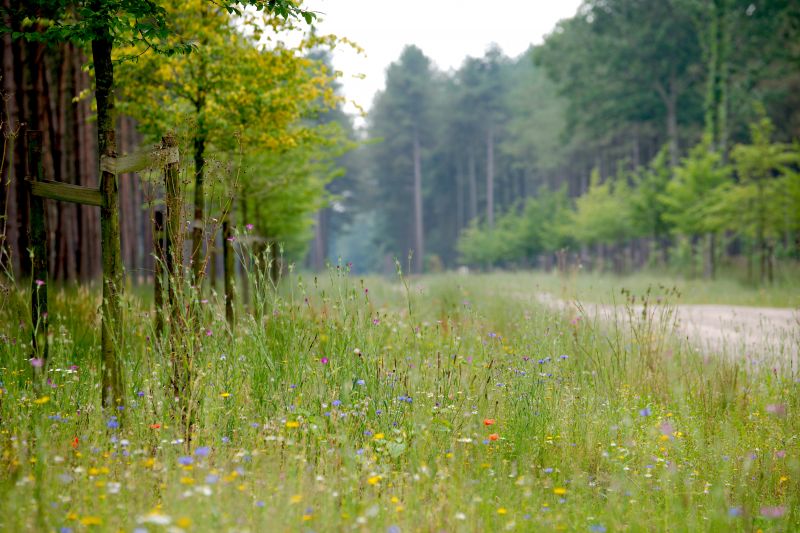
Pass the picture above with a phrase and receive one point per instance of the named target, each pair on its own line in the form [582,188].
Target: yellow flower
[559,491]
[187,480]
[184,522]
[502,510]
[297,498]
[292,424]
[91,521]
[307,517]
[378,436]
[41,401]
[374,480]
[224,394]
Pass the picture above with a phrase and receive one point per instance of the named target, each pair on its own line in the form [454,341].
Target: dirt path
[760,334]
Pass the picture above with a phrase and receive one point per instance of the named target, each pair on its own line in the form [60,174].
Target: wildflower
[336,403]
[224,394]
[324,360]
[292,424]
[373,480]
[645,412]
[378,436]
[597,528]
[494,437]
[249,227]
[773,512]
[297,498]
[75,443]
[91,521]
[361,382]
[185,460]
[112,423]
[502,510]
[36,362]
[202,451]
[155,426]
[488,421]
[559,491]
[41,401]
[777,409]
[548,470]
[155,518]
[39,283]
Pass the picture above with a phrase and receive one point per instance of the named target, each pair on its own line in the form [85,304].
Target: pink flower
[209,333]
[777,409]
[39,283]
[324,360]
[773,512]
[37,362]
[249,227]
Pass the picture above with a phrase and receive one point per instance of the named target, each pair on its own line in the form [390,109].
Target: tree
[104,24]
[401,119]
[757,203]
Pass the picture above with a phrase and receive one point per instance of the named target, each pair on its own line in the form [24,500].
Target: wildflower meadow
[435,404]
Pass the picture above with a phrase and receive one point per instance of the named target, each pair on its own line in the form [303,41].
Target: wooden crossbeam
[66,192]
[155,157]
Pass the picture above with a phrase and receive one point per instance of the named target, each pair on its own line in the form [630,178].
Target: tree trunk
[473,188]
[198,261]
[113,392]
[490,177]
[419,244]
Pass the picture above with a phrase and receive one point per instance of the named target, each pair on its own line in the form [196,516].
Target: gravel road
[759,334]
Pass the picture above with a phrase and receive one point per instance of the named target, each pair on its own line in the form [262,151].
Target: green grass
[592,430]
[604,288]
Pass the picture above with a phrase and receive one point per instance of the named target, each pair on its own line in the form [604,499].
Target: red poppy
[75,443]
[494,436]
[488,421]
[155,426]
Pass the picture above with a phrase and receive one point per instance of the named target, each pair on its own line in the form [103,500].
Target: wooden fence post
[227,258]
[37,236]
[158,274]
[174,242]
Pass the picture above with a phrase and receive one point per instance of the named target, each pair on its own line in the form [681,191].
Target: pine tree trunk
[419,243]
[490,177]
[473,188]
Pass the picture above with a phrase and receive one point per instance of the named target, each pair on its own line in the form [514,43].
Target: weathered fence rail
[105,197]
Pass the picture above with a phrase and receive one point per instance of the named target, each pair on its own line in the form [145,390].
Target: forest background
[638,134]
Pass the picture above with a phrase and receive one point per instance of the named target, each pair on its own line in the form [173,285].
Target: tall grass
[430,404]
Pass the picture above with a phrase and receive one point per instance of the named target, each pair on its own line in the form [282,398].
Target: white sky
[447,31]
